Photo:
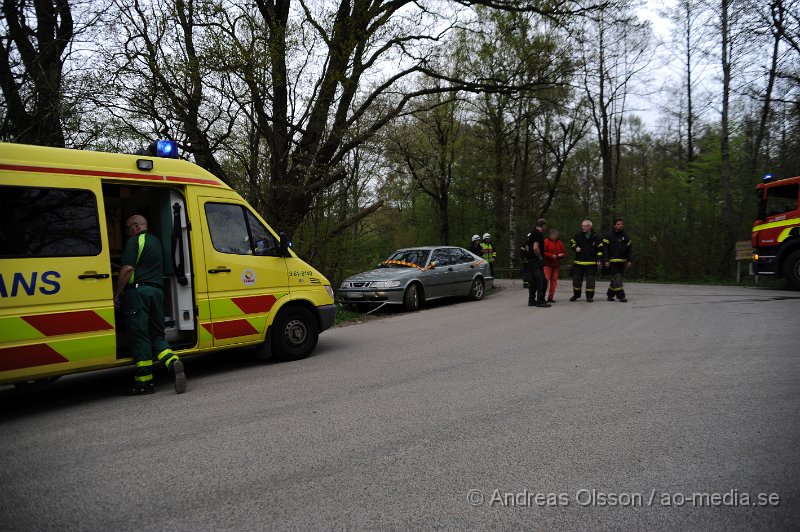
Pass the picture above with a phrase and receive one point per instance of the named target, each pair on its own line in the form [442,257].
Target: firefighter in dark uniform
[140,286]
[617,256]
[475,246]
[588,253]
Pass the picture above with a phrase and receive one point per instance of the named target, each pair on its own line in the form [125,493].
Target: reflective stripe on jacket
[617,247]
[591,248]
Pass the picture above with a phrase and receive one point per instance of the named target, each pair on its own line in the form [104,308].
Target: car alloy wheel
[478,289]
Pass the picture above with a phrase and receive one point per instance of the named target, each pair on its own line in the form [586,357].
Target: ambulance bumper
[327,316]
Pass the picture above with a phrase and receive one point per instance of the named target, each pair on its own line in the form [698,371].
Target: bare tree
[35,37]
[614,48]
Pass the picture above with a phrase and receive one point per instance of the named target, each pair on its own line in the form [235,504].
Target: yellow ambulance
[229,279]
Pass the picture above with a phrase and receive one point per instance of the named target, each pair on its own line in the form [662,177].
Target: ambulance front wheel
[294,333]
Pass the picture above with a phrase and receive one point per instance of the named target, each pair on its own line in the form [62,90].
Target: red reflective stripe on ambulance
[102,173]
[222,330]
[28,356]
[255,304]
[68,322]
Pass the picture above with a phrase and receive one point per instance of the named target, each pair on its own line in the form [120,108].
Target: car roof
[427,248]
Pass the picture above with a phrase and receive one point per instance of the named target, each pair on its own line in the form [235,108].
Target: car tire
[791,270]
[477,290]
[295,333]
[412,299]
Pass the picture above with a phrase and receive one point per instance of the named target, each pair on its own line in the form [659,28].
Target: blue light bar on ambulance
[167,149]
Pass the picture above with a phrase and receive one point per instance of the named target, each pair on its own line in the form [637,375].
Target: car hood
[385,274]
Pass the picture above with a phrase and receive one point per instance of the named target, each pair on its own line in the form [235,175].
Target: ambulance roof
[26,158]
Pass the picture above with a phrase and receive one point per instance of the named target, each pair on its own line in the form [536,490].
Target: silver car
[411,276]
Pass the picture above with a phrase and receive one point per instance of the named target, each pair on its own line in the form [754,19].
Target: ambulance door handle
[93,276]
[220,270]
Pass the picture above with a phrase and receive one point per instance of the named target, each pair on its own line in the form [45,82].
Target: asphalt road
[581,416]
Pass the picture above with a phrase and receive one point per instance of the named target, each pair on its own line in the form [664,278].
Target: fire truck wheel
[791,270]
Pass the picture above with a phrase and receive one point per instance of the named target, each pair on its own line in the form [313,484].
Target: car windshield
[408,258]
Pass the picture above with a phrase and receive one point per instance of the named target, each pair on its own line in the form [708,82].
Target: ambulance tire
[295,333]
[791,270]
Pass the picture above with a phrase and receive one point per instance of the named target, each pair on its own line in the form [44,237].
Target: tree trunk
[727,187]
[767,105]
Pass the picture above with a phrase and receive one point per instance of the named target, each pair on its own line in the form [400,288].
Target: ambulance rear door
[56,298]
[245,276]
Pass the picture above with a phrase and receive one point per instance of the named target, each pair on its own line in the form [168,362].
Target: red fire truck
[776,233]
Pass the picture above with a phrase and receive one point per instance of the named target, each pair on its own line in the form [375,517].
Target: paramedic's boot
[178,376]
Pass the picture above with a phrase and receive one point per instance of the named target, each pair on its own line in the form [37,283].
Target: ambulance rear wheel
[295,333]
[791,270]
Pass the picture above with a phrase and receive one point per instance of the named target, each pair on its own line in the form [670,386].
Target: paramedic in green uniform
[140,287]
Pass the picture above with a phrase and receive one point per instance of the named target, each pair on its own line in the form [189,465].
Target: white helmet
[486,235]
[476,237]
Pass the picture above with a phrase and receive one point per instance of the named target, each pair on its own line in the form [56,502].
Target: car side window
[440,257]
[459,256]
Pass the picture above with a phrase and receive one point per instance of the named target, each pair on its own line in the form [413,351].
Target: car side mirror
[284,245]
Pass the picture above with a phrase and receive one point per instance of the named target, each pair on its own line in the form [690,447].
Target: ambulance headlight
[167,149]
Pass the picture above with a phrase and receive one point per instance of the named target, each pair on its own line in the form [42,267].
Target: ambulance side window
[265,243]
[235,230]
[48,222]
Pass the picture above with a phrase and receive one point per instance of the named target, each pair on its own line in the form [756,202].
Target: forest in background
[362,126]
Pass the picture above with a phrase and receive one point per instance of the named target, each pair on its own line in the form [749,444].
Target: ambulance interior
[165,212]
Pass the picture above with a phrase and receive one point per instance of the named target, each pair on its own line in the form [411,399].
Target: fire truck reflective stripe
[68,322]
[255,304]
[14,329]
[230,329]
[101,173]
[784,234]
[29,356]
[773,225]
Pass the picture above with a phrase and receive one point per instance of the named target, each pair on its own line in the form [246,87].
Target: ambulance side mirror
[284,244]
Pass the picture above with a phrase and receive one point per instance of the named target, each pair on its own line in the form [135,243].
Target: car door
[244,275]
[463,271]
[437,275]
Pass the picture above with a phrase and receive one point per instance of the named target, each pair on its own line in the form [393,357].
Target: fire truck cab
[776,232]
